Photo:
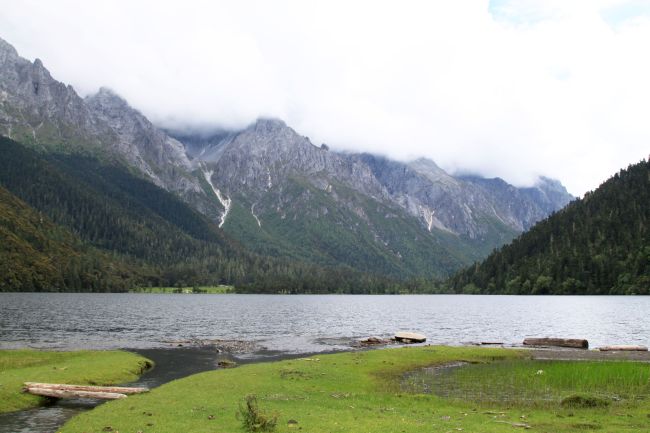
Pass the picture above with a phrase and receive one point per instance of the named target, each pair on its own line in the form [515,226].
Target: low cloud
[504,88]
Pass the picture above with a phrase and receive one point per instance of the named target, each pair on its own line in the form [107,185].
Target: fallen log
[558,342]
[623,348]
[60,393]
[87,388]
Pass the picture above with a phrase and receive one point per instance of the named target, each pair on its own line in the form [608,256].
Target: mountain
[284,196]
[74,223]
[266,186]
[37,110]
[596,245]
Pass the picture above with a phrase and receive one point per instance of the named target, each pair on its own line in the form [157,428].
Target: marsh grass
[535,382]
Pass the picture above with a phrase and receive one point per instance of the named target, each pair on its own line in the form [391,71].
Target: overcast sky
[509,88]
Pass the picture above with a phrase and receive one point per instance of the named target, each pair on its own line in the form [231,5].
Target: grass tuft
[252,417]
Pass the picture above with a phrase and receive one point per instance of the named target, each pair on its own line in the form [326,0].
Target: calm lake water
[311,323]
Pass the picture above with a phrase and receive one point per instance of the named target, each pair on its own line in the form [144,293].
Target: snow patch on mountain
[225,201]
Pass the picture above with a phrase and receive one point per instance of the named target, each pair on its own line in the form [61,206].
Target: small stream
[171,364]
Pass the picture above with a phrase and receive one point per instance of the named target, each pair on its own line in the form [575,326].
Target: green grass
[211,290]
[537,383]
[348,392]
[82,367]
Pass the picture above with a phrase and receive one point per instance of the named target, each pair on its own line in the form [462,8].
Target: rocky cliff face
[38,110]
[251,162]
[268,152]
[143,145]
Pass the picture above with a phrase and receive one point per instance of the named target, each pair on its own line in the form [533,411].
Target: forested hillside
[37,255]
[597,245]
[72,223]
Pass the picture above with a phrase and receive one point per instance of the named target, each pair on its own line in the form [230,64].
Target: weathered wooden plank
[59,393]
[623,348]
[558,342]
[87,388]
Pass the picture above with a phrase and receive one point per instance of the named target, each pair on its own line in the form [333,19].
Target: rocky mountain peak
[146,146]
[550,184]
[7,51]
[267,125]
[431,170]
[107,97]
[38,110]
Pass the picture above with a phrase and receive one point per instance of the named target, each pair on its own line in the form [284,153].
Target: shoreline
[252,351]
[179,363]
[356,391]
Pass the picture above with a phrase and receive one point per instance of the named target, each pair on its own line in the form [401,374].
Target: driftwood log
[574,343]
[60,393]
[56,390]
[623,348]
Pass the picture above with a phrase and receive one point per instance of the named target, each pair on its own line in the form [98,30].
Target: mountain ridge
[272,189]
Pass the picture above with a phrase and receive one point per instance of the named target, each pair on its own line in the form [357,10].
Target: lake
[311,323]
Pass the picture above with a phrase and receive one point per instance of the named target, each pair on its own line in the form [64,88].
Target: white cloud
[503,88]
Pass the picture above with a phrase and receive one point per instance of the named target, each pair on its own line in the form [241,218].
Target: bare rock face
[268,152]
[146,147]
[263,156]
[468,206]
[37,110]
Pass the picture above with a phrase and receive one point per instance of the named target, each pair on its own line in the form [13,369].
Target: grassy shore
[210,290]
[363,392]
[81,367]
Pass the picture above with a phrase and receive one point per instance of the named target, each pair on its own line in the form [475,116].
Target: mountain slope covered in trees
[38,255]
[596,245]
[57,207]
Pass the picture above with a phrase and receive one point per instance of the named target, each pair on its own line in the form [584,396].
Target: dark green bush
[584,401]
